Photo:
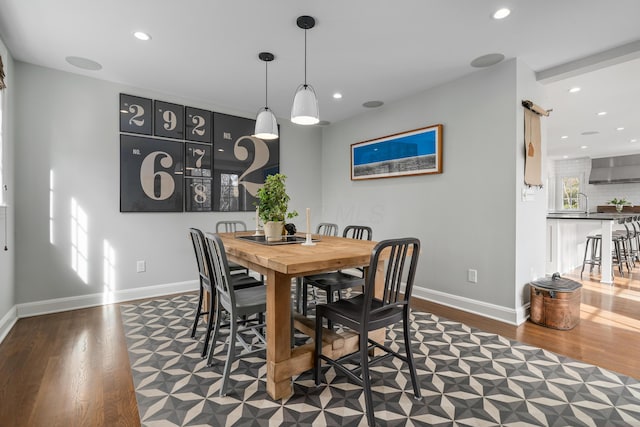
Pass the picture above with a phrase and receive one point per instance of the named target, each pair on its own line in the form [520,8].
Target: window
[229,192]
[570,192]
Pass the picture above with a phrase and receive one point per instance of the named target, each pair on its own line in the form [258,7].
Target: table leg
[605,261]
[278,333]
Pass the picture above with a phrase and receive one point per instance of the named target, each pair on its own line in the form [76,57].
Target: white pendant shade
[266,125]
[305,106]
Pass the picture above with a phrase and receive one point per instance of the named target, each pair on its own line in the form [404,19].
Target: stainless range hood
[615,170]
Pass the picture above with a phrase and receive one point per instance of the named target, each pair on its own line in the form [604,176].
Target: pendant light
[305,102]
[266,124]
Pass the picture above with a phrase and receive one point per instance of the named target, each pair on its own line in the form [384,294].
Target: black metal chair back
[204,273]
[327,229]
[230,226]
[220,273]
[360,232]
[197,238]
[396,271]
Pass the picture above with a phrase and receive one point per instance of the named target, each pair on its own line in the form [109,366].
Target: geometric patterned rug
[468,378]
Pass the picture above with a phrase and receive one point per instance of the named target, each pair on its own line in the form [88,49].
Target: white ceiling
[367,49]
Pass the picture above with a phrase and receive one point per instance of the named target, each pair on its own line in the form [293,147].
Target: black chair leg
[231,357]
[318,343]
[198,314]
[304,298]
[330,299]
[366,381]
[207,336]
[412,367]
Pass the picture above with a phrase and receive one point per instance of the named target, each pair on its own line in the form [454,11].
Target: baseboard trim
[84,301]
[491,311]
[7,322]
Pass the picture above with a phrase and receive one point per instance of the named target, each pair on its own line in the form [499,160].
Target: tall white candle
[308,220]
[257,219]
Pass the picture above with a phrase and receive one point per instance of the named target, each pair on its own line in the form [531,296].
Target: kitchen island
[566,236]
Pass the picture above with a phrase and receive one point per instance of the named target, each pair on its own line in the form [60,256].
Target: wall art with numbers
[189,158]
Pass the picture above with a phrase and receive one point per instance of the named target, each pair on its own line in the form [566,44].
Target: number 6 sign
[151,175]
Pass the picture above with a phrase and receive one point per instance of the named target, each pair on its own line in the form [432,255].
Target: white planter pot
[273,230]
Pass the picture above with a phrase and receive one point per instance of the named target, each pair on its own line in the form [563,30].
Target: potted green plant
[273,202]
[620,203]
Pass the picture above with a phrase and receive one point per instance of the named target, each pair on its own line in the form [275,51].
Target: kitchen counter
[566,239]
[597,216]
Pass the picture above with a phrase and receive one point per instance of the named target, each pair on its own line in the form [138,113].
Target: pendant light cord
[305,57]
[266,84]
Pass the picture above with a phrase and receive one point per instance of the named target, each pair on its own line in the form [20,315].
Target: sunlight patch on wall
[79,241]
[109,272]
[51,240]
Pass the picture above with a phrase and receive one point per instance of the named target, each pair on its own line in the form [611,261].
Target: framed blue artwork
[414,152]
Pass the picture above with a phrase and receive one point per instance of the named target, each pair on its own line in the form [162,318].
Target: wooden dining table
[280,264]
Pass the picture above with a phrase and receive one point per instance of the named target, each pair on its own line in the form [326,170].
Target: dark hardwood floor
[72,368]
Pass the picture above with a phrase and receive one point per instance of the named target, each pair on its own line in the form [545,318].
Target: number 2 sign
[135,114]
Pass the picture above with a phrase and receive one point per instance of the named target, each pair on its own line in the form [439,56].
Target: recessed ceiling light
[590,132]
[574,89]
[564,137]
[141,35]
[337,95]
[373,104]
[602,113]
[501,13]
[84,63]
[634,140]
[620,128]
[584,146]
[487,60]
[565,157]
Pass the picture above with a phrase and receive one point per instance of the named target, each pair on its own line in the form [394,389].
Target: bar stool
[595,242]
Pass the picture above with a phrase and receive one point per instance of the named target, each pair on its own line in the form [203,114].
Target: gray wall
[469,217]
[466,217]
[69,124]
[7,282]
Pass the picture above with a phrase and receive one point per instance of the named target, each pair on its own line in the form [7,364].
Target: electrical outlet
[472,276]
[141,266]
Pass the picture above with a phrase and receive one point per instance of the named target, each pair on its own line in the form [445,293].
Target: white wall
[530,237]
[465,217]
[69,124]
[7,278]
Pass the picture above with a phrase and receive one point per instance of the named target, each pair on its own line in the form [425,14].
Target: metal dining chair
[324,229]
[334,282]
[206,285]
[366,313]
[239,304]
[232,227]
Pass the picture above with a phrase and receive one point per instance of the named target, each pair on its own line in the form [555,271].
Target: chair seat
[334,280]
[252,299]
[349,312]
[233,267]
[241,281]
